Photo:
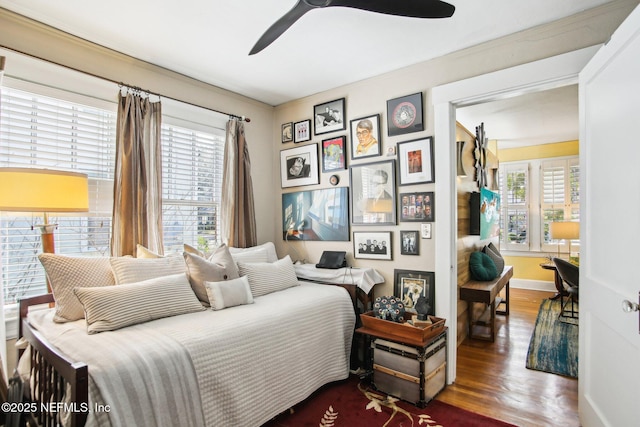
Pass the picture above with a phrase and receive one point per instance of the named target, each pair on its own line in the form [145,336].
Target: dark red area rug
[351,403]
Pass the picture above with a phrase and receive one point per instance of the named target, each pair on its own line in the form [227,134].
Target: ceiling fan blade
[410,8]
[281,25]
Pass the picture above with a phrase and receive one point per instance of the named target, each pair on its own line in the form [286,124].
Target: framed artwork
[425,231]
[333,154]
[489,213]
[287,132]
[365,137]
[417,207]
[410,285]
[415,161]
[330,116]
[302,131]
[409,243]
[299,166]
[316,215]
[373,197]
[404,115]
[372,245]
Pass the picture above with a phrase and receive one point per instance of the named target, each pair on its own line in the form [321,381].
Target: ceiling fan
[410,8]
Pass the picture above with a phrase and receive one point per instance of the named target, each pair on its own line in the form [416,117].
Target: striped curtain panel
[237,208]
[137,187]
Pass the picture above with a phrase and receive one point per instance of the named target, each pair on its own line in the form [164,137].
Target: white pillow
[66,273]
[266,277]
[261,253]
[229,293]
[114,307]
[143,252]
[131,270]
[220,266]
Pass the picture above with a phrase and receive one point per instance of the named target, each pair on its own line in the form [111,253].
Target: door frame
[548,73]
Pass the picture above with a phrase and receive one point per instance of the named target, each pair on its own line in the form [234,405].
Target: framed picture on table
[409,285]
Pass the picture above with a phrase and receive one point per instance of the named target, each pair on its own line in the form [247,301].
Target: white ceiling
[209,40]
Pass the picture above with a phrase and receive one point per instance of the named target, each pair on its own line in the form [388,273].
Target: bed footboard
[58,386]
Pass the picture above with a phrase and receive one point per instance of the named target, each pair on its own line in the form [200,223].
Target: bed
[236,365]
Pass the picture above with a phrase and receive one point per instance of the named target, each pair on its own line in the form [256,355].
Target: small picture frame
[299,166]
[330,116]
[287,132]
[372,245]
[409,243]
[333,154]
[409,285]
[425,231]
[415,161]
[373,197]
[365,137]
[404,115]
[302,131]
[417,207]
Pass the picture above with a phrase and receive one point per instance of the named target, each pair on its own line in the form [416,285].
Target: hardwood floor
[492,378]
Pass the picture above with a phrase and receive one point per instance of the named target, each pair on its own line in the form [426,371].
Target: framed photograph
[415,161]
[409,243]
[365,137]
[404,115]
[302,131]
[316,215]
[287,132]
[372,245]
[373,197]
[299,166]
[425,231]
[330,116]
[417,207]
[410,285]
[333,154]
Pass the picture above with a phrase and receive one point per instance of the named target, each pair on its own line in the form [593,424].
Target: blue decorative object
[389,308]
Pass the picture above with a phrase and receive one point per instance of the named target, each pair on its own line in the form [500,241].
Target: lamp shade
[43,190]
[566,230]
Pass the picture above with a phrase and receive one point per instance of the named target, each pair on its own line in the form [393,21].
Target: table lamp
[43,190]
[564,230]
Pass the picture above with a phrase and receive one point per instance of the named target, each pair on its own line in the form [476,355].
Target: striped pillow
[265,277]
[131,270]
[114,307]
[229,293]
[265,252]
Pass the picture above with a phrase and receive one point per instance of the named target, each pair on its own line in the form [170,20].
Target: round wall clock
[404,114]
[334,179]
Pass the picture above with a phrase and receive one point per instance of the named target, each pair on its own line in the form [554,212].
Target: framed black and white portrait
[287,132]
[372,245]
[299,166]
[373,196]
[330,116]
[409,242]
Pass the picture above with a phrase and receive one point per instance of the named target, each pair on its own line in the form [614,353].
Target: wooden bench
[487,292]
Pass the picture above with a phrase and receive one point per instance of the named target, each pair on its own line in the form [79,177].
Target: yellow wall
[529,268]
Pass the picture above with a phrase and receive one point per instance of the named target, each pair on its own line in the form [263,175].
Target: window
[515,206]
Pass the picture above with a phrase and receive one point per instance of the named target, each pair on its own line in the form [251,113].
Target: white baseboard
[534,285]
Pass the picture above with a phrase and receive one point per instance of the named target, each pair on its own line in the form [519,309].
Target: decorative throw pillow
[142,252]
[131,270]
[265,277]
[261,253]
[229,293]
[65,273]
[114,307]
[219,267]
[482,267]
[495,256]
[192,250]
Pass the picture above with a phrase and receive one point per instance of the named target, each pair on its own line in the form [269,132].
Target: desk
[557,280]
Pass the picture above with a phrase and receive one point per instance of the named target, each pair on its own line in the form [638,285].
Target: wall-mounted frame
[415,161]
[334,154]
[287,132]
[316,215]
[409,285]
[299,166]
[330,116]
[417,207]
[373,197]
[365,137]
[409,242]
[425,231]
[302,131]
[372,245]
[404,115]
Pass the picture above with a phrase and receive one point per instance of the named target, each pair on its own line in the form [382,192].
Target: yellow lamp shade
[566,230]
[43,190]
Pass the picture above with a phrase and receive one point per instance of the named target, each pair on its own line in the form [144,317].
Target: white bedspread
[235,367]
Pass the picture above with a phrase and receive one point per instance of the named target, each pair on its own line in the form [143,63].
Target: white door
[609,377]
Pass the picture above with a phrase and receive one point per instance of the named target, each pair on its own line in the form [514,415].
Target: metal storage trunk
[414,374]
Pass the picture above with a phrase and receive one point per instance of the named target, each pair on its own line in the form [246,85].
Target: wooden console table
[487,292]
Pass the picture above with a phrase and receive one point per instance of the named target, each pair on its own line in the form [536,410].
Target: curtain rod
[121,84]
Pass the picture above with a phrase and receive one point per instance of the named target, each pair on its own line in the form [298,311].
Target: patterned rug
[554,343]
[351,403]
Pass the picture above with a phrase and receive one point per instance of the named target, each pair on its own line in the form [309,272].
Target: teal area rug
[554,343]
